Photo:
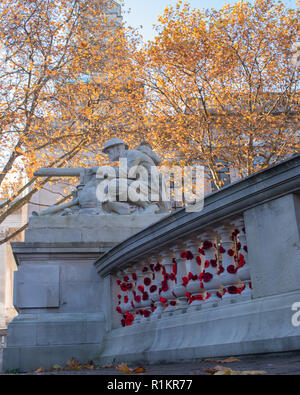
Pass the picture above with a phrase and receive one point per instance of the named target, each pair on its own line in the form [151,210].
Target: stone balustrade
[203,271]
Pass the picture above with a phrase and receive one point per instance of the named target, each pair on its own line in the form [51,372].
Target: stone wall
[8,266]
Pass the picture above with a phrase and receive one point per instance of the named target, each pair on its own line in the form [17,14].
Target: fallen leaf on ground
[139,369]
[73,364]
[225,371]
[228,360]
[124,368]
[222,371]
[39,370]
[249,372]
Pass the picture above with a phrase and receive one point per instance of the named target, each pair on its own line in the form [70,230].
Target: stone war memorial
[118,277]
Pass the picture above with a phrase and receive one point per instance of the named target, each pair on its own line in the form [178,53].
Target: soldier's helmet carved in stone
[113,143]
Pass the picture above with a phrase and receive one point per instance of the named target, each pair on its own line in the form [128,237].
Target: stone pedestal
[63,304]
[111,229]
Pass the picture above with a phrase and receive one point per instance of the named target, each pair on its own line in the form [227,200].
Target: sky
[145,12]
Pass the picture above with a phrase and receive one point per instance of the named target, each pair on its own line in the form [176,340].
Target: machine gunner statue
[135,187]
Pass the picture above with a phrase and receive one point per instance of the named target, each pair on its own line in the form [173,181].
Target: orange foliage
[62,90]
[221,84]
[213,85]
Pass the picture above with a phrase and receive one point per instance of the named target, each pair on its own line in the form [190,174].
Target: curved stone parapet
[217,282]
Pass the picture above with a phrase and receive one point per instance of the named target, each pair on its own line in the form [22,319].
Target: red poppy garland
[136,295]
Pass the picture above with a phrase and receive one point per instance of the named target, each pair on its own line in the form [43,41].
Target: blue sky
[145,12]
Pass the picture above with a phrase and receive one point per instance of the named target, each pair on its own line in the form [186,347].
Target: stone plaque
[37,286]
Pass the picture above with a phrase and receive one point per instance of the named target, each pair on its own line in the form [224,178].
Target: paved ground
[273,364]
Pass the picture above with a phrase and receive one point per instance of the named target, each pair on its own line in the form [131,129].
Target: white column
[128,295]
[122,304]
[156,283]
[198,294]
[146,300]
[2,281]
[138,294]
[167,261]
[180,290]
[212,286]
[229,279]
[242,256]
[193,246]
[160,306]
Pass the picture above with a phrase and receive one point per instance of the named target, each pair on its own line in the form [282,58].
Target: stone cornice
[264,186]
[66,251]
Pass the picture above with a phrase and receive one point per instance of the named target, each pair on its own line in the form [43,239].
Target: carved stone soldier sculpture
[141,168]
[139,160]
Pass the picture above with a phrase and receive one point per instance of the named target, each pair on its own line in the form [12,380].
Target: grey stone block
[48,339]
[53,235]
[75,269]
[37,286]
[93,221]
[87,228]
[273,239]
[95,331]
[28,359]
[81,297]
[60,333]
[11,358]
[21,335]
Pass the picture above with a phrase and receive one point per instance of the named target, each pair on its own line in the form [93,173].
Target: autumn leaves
[214,86]
[222,84]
